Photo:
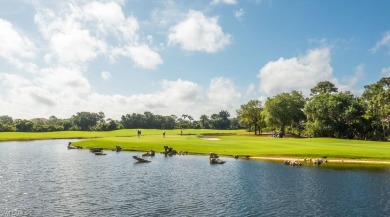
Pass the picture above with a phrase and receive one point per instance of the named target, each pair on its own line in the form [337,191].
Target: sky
[182,57]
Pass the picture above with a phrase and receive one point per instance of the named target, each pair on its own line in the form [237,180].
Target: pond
[43,178]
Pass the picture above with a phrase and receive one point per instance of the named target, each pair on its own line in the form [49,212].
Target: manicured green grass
[15,136]
[250,145]
[231,142]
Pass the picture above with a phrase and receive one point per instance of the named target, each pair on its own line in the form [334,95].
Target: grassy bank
[243,144]
[19,136]
[234,142]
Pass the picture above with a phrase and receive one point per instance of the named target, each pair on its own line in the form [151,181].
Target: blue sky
[182,57]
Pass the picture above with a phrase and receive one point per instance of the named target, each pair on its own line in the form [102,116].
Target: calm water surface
[43,178]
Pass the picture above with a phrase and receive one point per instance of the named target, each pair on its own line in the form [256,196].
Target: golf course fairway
[223,142]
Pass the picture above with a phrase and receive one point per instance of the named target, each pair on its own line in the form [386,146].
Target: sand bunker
[212,139]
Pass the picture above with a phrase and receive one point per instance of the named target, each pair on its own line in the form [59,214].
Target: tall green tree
[7,124]
[204,121]
[324,87]
[334,114]
[250,115]
[87,120]
[377,102]
[221,120]
[284,109]
[23,125]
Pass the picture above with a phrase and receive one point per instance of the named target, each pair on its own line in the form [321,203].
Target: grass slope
[238,143]
[250,145]
[16,136]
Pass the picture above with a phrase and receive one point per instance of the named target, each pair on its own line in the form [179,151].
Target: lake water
[43,178]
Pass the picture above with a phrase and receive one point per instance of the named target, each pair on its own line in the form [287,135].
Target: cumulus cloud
[78,34]
[64,81]
[223,93]
[51,91]
[297,73]
[69,41]
[107,14]
[15,47]
[110,18]
[76,45]
[63,91]
[141,55]
[384,42]
[174,97]
[198,33]
[106,75]
[63,94]
[21,94]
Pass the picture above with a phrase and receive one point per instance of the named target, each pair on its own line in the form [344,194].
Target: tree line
[327,112]
[89,121]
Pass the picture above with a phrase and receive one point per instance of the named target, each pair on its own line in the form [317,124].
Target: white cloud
[174,97]
[198,33]
[15,47]
[79,33]
[230,2]
[223,93]
[384,42]
[64,91]
[141,55]
[64,81]
[76,45]
[21,94]
[110,18]
[107,14]
[106,75]
[51,91]
[297,73]
[385,72]
[69,41]
[238,14]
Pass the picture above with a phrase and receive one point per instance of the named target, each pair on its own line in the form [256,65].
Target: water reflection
[43,178]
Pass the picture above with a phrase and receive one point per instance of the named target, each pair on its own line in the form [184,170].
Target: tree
[204,121]
[220,120]
[7,124]
[284,109]
[250,115]
[190,118]
[334,114]
[67,124]
[169,122]
[323,87]
[183,123]
[113,124]
[235,124]
[5,119]
[87,120]
[132,121]
[377,102]
[23,125]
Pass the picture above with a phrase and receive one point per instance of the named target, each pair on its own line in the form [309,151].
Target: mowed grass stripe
[253,146]
[15,136]
[238,143]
